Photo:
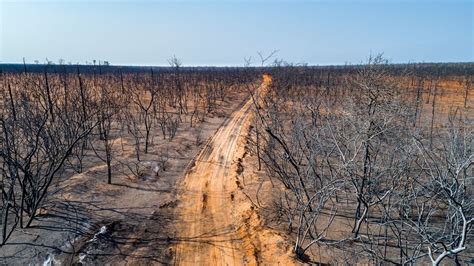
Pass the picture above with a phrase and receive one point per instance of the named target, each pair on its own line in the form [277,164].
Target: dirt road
[216,224]
[208,234]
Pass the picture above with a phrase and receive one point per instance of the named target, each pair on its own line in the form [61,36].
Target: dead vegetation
[369,165]
[109,143]
[357,164]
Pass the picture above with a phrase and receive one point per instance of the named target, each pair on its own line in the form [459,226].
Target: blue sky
[224,32]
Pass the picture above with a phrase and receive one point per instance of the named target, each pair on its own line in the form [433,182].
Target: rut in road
[207,232]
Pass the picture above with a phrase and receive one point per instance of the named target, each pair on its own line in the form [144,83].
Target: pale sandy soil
[210,207]
[137,212]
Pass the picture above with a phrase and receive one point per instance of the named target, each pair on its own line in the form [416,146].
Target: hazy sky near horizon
[224,32]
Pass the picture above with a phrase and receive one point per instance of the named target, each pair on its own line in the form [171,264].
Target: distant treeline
[417,69]
[56,68]
[420,69]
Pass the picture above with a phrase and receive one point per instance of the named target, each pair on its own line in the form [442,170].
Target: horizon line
[233,65]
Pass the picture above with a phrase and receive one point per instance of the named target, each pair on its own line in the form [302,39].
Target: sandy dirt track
[215,225]
[207,233]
